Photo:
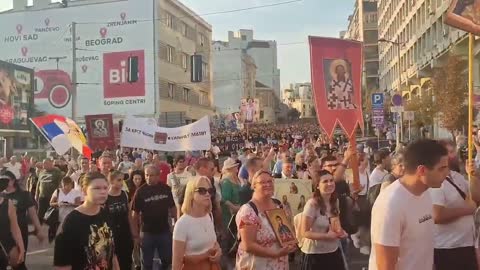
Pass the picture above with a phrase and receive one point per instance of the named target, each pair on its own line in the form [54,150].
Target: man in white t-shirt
[453,216]
[402,225]
[14,167]
[178,179]
[382,160]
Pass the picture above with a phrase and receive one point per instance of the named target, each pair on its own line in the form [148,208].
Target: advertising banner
[16,97]
[110,37]
[100,131]
[145,133]
[336,67]
[293,193]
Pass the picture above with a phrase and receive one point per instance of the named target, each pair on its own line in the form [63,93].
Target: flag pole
[354,163]
[471,44]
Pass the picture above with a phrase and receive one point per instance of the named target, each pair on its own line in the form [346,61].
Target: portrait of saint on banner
[339,84]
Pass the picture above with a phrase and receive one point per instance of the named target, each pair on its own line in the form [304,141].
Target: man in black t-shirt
[154,203]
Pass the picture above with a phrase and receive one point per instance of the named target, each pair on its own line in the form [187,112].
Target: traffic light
[196,68]
[132,69]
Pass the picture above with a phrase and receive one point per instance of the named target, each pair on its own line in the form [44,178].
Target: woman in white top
[195,243]
[65,198]
[321,241]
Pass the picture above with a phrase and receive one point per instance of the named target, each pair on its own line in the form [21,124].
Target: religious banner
[336,70]
[100,131]
[250,109]
[464,15]
[293,193]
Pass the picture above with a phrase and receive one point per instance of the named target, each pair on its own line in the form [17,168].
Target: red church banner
[100,131]
[336,67]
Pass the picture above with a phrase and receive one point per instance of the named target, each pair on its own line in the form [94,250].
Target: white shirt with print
[401,219]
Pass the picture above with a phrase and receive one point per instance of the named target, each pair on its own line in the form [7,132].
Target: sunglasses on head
[204,191]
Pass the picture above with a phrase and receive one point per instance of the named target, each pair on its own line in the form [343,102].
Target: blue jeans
[162,243]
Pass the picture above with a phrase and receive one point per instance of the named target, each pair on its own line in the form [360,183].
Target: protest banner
[145,133]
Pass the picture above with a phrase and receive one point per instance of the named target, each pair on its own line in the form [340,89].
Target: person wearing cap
[230,187]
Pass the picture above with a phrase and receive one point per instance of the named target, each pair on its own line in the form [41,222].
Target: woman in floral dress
[259,248]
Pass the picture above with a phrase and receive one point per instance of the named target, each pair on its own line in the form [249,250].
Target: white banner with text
[145,133]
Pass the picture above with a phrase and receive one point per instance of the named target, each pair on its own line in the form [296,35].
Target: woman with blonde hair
[195,243]
[259,247]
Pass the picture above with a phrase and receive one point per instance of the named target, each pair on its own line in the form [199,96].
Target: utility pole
[399,90]
[74,71]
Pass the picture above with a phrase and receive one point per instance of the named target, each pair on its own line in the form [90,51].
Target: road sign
[397,109]
[397,100]
[377,100]
[409,115]
[378,116]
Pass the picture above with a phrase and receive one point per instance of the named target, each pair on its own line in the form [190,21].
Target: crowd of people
[413,208]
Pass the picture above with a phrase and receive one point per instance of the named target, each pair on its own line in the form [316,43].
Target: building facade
[362,26]
[235,72]
[300,97]
[418,41]
[182,33]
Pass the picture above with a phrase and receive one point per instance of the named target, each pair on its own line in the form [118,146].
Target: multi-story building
[362,26]
[300,97]
[416,42]
[234,71]
[182,33]
[240,64]
[269,103]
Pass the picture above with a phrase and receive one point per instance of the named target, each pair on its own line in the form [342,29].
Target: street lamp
[398,44]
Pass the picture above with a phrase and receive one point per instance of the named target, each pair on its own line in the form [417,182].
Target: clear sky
[290,23]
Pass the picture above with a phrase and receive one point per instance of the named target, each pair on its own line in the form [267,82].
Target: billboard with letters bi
[107,36]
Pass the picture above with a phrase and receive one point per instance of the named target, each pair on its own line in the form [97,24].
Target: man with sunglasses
[154,205]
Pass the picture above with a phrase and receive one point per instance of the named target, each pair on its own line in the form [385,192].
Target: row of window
[177,24]
[187,95]
[391,21]
[424,49]
[182,59]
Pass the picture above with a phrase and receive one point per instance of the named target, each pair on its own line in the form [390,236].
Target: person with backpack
[177,180]
[259,247]
[382,161]
[398,169]
[320,240]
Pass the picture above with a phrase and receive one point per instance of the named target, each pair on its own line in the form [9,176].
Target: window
[244,37]
[205,70]
[171,90]
[203,98]
[186,94]
[203,40]
[184,60]
[169,20]
[170,54]
[184,29]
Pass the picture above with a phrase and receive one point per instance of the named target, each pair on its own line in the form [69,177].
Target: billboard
[107,36]
[16,97]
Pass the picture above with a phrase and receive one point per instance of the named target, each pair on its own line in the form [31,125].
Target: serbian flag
[62,133]
[336,67]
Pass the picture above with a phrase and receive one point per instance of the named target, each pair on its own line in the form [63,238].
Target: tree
[450,91]
[424,109]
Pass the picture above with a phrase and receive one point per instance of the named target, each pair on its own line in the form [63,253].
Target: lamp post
[398,44]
